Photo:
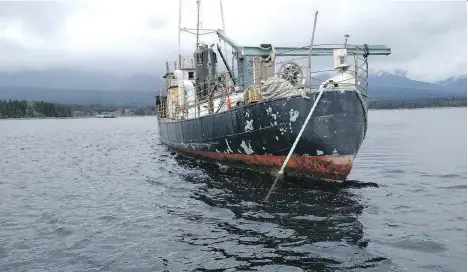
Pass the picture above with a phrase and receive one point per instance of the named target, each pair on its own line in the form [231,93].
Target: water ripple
[104,194]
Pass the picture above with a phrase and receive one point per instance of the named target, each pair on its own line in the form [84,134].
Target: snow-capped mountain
[456,83]
[398,78]
[396,85]
[396,72]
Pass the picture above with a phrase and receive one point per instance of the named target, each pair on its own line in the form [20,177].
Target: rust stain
[335,168]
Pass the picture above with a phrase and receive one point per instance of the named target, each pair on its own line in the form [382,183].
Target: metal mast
[309,68]
[178,32]
[198,21]
[222,15]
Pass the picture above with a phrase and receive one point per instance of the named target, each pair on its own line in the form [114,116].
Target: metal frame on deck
[381,50]
[317,50]
[244,54]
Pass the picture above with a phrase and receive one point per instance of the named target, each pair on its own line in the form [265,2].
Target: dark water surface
[103,195]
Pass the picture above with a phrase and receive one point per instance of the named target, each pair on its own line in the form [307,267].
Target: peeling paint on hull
[262,140]
[330,168]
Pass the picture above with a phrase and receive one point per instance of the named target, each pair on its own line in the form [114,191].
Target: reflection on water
[307,225]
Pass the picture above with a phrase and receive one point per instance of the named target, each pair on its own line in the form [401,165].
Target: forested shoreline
[42,109]
[420,103]
[33,109]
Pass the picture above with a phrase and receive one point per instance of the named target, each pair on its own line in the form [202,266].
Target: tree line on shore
[38,109]
[33,109]
[421,103]
[42,109]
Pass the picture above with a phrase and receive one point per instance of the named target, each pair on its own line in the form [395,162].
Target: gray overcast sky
[428,38]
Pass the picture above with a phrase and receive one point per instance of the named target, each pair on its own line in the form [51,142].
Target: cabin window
[199,58]
[214,58]
[190,75]
[342,60]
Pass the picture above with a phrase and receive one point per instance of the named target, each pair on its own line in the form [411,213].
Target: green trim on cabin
[381,50]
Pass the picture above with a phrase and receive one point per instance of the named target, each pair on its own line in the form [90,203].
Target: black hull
[260,135]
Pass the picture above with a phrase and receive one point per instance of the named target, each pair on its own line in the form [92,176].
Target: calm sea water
[104,195]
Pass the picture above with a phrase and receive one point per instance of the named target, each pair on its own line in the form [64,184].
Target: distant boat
[106,115]
[257,115]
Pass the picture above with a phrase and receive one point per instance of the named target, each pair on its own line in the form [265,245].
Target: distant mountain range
[388,86]
[79,80]
[397,86]
[78,87]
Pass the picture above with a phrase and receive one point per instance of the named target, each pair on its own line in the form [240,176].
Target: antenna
[178,33]
[224,28]
[309,68]
[346,36]
[198,21]
[222,15]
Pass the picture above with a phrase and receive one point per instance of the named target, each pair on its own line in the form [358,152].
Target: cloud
[427,38]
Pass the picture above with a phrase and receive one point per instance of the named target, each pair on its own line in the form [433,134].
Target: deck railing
[218,92]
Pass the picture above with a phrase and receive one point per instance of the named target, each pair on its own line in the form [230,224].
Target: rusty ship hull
[259,136]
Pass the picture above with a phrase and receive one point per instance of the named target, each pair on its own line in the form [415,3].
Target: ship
[106,115]
[268,110]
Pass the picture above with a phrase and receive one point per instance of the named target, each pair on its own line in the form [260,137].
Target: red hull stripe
[328,167]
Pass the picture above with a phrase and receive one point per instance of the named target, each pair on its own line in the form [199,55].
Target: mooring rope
[281,171]
[364,108]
